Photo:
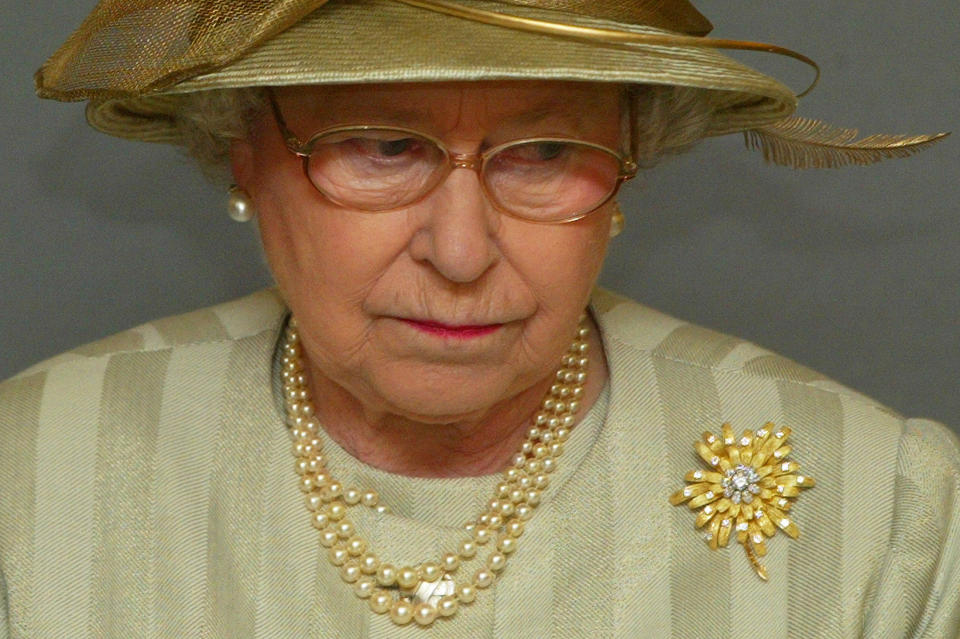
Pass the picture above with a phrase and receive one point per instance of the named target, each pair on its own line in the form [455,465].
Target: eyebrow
[550,108]
[546,112]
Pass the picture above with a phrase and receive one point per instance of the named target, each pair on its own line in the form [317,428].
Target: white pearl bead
[380,601]
[369,499]
[468,549]
[356,546]
[506,545]
[401,612]
[447,606]
[369,563]
[450,562]
[407,577]
[386,575]
[345,529]
[351,496]
[307,483]
[328,537]
[424,614]
[338,555]
[483,578]
[334,490]
[350,571]
[466,593]
[497,561]
[482,535]
[364,587]
[430,571]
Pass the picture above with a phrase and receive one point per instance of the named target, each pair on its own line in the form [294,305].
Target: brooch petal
[746,492]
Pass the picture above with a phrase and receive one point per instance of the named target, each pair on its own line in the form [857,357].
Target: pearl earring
[617,220]
[240,205]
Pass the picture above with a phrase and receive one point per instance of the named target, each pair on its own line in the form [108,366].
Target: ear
[241,164]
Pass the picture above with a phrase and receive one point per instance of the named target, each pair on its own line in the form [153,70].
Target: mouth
[452,331]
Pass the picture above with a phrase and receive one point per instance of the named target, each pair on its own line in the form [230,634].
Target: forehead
[445,105]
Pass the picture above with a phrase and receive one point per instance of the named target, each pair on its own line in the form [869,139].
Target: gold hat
[134,59]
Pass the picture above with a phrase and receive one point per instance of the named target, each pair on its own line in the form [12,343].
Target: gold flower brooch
[748,488]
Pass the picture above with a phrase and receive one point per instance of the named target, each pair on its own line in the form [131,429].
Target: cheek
[564,262]
[324,258]
[560,266]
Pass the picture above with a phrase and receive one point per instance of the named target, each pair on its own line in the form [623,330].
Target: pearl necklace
[426,591]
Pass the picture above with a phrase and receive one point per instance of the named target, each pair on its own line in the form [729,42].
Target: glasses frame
[473,161]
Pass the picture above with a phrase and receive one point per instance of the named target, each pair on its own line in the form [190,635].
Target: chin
[441,398]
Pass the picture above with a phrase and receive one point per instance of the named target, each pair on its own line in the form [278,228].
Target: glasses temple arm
[292,141]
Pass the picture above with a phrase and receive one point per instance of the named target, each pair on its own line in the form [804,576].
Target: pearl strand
[425,592]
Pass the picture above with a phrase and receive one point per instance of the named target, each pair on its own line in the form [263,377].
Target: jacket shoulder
[231,320]
[665,337]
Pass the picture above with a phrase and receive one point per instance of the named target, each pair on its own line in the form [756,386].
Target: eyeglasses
[382,168]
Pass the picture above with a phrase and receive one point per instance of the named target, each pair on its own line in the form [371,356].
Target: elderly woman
[482,443]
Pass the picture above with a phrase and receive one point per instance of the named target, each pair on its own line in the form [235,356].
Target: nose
[457,228]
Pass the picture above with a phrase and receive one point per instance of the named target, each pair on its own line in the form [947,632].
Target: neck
[474,446]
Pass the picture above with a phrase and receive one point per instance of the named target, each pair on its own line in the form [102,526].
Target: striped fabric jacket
[147,490]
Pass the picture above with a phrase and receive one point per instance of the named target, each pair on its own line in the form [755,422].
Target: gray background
[853,272]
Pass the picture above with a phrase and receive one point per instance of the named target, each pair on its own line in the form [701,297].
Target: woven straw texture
[169,48]
[148,491]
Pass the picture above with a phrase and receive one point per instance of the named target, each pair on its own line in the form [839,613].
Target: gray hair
[669,120]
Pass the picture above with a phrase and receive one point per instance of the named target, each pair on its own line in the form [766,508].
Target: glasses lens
[551,180]
[374,169]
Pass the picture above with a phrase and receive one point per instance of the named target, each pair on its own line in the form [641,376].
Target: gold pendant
[748,489]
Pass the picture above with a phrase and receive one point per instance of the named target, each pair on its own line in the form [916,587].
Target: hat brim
[380,41]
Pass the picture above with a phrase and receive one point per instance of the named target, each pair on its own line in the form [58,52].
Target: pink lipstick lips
[453,331]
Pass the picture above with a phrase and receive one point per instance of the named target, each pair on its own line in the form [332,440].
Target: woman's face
[442,309]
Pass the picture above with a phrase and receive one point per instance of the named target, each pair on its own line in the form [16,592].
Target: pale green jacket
[147,490]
